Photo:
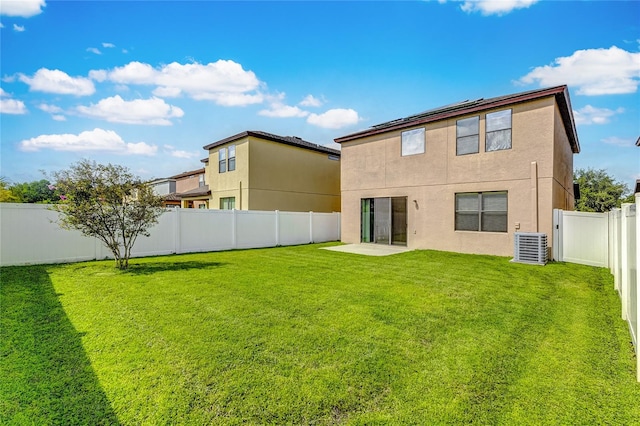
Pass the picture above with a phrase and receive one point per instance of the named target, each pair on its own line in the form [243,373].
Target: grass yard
[299,335]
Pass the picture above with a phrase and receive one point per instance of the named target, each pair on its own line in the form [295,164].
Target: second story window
[232,158]
[222,160]
[498,130]
[413,142]
[201,180]
[467,135]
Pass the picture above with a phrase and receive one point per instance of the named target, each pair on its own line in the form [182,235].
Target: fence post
[616,248]
[624,262]
[277,228]
[310,227]
[234,229]
[557,235]
[637,280]
[177,234]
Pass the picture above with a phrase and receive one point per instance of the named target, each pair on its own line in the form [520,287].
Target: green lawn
[299,335]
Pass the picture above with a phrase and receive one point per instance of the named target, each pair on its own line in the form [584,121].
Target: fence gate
[581,237]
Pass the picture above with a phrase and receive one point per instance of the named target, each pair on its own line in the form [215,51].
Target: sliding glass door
[384,220]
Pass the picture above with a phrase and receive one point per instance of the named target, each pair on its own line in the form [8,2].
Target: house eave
[286,140]
[560,93]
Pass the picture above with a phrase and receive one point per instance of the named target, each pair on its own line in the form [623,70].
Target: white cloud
[592,115]
[153,111]
[280,110]
[108,45]
[334,118]
[224,82]
[622,142]
[311,101]
[18,28]
[178,153]
[93,140]
[54,110]
[22,8]
[132,73]
[1,25]
[495,7]
[94,50]
[12,106]
[98,75]
[167,92]
[56,81]
[51,109]
[593,71]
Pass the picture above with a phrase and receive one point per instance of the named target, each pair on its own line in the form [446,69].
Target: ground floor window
[384,220]
[481,211]
[228,203]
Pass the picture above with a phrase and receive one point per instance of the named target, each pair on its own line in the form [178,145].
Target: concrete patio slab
[369,249]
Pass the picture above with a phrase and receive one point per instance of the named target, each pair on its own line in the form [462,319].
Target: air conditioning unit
[530,247]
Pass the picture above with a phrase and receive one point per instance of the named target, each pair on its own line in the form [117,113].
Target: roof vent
[530,247]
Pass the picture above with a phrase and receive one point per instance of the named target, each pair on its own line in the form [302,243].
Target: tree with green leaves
[38,191]
[599,192]
[107,202]
[6,196]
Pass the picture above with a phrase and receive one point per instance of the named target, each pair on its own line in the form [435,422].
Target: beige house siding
[275,176]
[536,172]
[230,183]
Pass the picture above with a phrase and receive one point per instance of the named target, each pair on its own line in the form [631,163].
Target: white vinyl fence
[625,257]
[29,233]
[581,238]
[608,240]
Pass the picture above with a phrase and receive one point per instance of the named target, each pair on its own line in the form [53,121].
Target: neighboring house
[182,189]
[463,177]
[256,170]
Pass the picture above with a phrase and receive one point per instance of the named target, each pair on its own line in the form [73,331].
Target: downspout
[534,196]
[240,197]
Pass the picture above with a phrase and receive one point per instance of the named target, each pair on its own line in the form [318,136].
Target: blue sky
[148,84]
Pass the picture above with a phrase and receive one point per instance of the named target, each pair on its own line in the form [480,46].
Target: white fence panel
[585,238]
[629,269]
[293,228]
[161,241]
[326,227]
[205,230]
[29,234]
[256,229]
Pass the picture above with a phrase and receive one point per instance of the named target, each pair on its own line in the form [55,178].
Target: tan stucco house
[256,170]
[463,177]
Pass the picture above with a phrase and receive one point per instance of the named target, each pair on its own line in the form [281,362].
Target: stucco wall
[284,177]
[374,167]
[230,183]
[274,176]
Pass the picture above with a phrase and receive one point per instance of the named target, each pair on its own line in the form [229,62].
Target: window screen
[222,160]
[498,131]
[413,142]
[467,135]
[481,211]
